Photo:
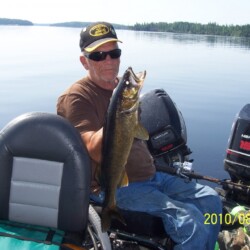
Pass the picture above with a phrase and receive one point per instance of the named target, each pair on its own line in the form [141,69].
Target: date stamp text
[227,219]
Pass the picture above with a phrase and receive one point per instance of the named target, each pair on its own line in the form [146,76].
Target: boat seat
[44,173]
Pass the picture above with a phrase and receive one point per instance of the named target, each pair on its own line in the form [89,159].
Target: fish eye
[127,82]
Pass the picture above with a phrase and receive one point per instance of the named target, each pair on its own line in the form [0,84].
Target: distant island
[7,21]
[84,24]
[176,27]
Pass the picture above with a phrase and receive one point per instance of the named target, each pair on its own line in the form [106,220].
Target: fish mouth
[137,80]
[134,83]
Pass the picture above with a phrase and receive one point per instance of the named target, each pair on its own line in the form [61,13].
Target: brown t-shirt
[85,104]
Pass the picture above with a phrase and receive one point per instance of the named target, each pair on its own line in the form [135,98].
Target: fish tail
[107,215]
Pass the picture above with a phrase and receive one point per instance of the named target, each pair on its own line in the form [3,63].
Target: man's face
[103,73]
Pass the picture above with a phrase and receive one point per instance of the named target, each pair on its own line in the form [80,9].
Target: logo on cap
[99,30]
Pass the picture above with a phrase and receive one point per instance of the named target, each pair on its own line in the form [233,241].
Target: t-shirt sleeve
[79,111]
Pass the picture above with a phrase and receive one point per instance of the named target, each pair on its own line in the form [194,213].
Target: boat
[45,180]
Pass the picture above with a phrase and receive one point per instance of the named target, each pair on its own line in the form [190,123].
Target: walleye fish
[120,128]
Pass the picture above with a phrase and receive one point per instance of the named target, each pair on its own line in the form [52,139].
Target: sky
[128,12]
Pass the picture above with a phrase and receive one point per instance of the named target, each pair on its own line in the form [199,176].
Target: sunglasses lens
[114,54]
[97,56]
[101,55]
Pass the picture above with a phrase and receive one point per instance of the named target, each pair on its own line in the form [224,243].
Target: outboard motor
[166,127]
[237,161]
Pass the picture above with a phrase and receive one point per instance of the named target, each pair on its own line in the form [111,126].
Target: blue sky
[128,11]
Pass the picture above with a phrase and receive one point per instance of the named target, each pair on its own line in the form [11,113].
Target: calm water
[208,77]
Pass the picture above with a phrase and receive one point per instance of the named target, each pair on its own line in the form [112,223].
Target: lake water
[208,77]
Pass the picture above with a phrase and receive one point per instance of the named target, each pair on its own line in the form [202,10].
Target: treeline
[176,27]
[71,24]
[7,21]
[195,28]
[84,24]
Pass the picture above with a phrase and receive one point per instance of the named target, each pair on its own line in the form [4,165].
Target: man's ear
[83,61]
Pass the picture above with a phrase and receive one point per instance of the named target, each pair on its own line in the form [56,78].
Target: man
[181,205]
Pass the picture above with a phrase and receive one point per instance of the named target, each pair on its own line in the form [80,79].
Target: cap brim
[100,42]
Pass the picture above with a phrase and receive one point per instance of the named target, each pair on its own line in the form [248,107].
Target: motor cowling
[164,122]
[237,160]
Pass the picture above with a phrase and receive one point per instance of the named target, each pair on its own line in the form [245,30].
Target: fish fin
[141,133]
[107,215]
[124,181]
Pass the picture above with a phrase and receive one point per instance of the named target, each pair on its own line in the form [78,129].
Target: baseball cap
[97,34]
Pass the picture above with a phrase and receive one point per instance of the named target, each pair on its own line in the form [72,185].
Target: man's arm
[80,113]
[93,142]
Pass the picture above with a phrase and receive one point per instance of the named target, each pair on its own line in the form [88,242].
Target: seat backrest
[44,173]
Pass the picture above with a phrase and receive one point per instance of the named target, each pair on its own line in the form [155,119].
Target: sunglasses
[101,55]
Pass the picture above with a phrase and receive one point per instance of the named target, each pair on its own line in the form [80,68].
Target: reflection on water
[208,77]
[210,40]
